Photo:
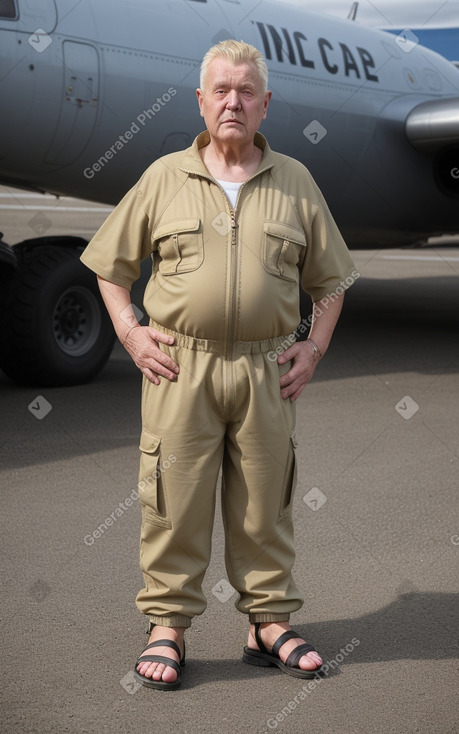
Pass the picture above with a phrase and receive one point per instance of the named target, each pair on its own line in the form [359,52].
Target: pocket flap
[175,227]
[149,442]
[285,232]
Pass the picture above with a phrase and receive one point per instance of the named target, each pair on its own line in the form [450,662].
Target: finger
[164,367]
[295,379]
[297,394]
[150,356]
[151,376]
[294,395]
[289,354]
[298,373]
[294,390]
[163,358]
[288,378]
[160,336]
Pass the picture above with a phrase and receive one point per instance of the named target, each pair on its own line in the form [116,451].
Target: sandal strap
[294,657]
[289,635]
[159,659]
[165,643]
[297,652]
[260,642]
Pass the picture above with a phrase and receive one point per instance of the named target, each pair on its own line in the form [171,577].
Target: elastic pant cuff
[265,617]
[175,620]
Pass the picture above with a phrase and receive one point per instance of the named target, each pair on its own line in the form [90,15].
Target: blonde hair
[239,53]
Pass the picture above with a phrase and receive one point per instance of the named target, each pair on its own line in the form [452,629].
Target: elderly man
[232,228]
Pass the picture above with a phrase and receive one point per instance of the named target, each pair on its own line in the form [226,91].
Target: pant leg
[259,475]
[182,446]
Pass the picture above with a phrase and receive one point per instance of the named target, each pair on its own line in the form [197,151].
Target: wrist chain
[317,352]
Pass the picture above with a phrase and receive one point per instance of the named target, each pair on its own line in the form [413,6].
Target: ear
[200,97]
[266,102]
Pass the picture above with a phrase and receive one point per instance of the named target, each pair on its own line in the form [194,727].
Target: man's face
[232,102]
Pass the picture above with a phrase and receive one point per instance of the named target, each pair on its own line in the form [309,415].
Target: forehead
[223,70]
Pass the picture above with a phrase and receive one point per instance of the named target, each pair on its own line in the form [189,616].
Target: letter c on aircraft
[333,69]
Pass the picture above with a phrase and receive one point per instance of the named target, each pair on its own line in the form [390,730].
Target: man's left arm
[306,354]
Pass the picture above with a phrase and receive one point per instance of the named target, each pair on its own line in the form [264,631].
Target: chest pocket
[282,249]
[180,246]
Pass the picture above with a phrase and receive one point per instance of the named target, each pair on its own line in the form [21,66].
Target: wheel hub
[76,321]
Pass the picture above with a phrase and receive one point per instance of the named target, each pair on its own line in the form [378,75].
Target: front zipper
[232,304]
[229,340]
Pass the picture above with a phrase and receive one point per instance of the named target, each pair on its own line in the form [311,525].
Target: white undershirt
[231,189]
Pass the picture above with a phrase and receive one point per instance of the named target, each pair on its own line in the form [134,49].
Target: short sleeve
[328,265]
[122,242]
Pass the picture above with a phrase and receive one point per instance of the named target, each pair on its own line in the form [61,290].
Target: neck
[230,162]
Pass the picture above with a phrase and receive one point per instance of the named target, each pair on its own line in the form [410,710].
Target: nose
[233,102]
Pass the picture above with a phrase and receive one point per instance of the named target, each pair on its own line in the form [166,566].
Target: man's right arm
[141,342]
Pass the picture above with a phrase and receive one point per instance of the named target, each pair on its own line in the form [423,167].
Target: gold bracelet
[317,352]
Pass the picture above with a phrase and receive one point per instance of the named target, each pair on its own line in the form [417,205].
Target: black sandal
[267,659]
[162,684]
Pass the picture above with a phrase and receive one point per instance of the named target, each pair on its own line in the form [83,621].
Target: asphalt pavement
[376,528]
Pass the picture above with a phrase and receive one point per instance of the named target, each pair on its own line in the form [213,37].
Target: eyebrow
[220,83]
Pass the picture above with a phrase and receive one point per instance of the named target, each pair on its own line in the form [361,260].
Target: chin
[232,132]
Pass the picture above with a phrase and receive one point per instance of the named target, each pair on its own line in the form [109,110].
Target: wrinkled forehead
[223,72]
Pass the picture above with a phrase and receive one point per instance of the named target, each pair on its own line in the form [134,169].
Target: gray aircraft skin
[93,92]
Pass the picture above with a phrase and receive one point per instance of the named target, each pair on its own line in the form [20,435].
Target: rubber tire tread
[27,353]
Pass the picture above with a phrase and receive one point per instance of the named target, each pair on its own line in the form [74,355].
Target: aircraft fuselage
[92,98]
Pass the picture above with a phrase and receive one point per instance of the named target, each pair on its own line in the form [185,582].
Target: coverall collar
[193,163]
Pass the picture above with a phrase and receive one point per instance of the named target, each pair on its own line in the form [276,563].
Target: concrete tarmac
[376,527]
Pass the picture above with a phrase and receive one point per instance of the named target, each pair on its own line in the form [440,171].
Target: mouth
[231,121]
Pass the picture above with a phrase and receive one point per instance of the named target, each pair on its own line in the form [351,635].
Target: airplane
[444,41]
[93,92]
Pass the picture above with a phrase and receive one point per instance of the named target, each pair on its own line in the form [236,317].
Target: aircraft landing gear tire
[56,330]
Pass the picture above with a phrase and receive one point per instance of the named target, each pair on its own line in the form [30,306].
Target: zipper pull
[233,229]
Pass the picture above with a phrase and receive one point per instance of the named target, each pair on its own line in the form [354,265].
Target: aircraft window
[7,9]
[200,1]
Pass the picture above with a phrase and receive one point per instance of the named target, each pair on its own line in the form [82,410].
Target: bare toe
[158,670]
[311,661]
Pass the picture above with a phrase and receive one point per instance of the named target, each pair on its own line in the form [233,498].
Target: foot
[271,631]
[160,671]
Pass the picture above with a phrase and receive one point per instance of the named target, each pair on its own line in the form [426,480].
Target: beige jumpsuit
[225,284]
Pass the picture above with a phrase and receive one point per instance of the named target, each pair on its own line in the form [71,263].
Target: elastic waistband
[220,347]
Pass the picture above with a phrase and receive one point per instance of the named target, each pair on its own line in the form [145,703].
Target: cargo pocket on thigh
[152,490]
[289,480]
